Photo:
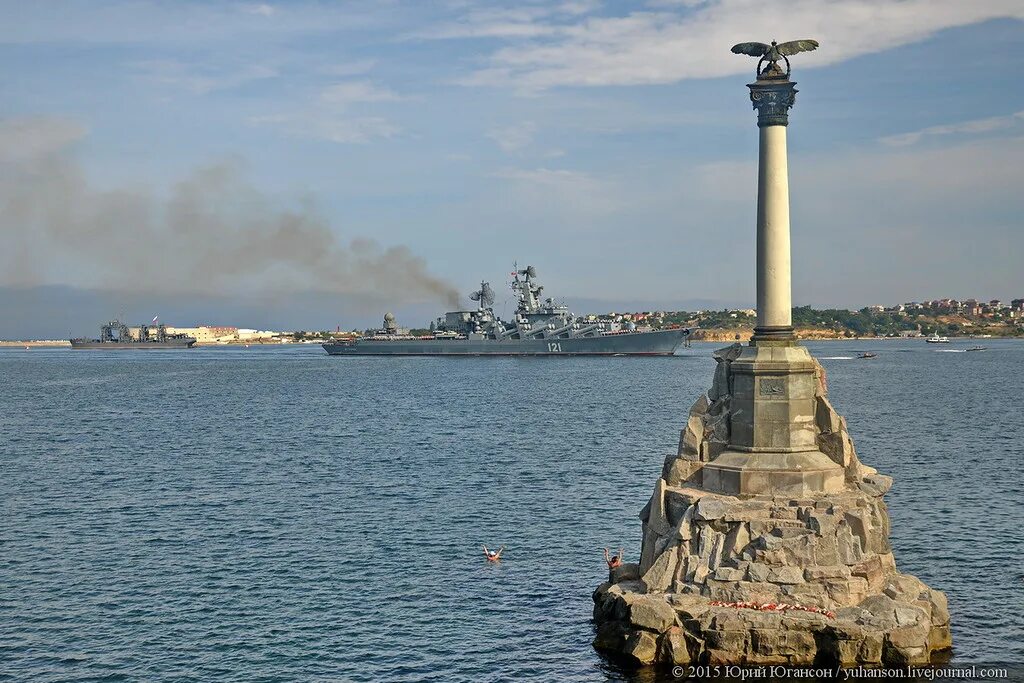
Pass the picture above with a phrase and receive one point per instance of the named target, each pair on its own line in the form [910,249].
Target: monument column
[772,99]
[765,504]
[772,444]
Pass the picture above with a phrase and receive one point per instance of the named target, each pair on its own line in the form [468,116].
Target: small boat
[936,339]
[867,354]
[977,348]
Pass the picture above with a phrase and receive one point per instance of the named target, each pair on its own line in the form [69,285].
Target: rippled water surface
[278,514]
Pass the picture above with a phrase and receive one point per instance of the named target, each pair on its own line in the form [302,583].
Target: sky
[324,161]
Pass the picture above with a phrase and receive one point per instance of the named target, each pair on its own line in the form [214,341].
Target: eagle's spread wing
[752,49]
[794,46]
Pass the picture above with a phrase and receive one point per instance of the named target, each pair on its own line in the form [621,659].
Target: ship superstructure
[117,335]
[540,326]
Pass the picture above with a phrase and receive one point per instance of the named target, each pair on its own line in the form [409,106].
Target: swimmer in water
[493,556]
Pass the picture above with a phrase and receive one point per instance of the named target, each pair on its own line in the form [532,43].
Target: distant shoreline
[710,336]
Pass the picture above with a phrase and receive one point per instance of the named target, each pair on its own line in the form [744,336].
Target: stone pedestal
[716,566]
[773,443]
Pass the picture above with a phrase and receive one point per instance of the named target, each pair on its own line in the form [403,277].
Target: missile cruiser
[539,328]
[117,335]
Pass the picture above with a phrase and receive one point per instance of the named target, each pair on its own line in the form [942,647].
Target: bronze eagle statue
[773,53]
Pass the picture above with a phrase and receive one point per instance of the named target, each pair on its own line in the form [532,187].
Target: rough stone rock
[684,532]
[709,509]
[662,572]
[825,416]
[939,605]
[677,471]
[691,437]
[730,641]
[758,572]
[700,406]
[736,540]
[675,650]
[710,546]
[729,574]
[628,571]
[881,607]
[647,555]
[940,638]
[688,606]
[786,575]
[873,571]
[875,484]
[651,613]
[641,647]
[611,636]
[658,520]
[849,545]
[834,572]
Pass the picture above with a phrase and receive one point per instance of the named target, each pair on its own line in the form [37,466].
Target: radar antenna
[485,295]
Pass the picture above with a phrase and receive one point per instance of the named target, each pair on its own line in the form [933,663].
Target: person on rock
[493,556]
[613,561]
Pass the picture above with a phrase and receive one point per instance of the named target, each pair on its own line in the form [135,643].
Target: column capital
[772,98]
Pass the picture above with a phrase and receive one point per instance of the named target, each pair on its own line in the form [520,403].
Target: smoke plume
[213,233]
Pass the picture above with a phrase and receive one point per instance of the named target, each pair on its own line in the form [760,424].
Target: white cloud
[666,45]
[330,127]
[354,68]
[262,9]
[186,23]
[519,21]
[975,126]
[330,116]
[345,94]
[515,137]
[551,192]
[201,79]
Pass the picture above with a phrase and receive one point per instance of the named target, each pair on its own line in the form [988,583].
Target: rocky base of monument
[907,623]
[763,579]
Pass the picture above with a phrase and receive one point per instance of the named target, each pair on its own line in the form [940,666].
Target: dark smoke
[213,234]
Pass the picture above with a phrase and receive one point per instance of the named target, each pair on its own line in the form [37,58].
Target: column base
[740,473]
[774,333]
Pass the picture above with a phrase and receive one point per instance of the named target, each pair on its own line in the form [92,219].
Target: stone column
[772,446]
[772,99]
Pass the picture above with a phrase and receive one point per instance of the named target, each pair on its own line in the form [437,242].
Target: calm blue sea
[271,514]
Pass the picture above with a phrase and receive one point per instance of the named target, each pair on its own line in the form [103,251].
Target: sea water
[274,513]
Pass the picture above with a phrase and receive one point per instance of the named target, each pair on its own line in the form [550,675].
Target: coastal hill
[947,317]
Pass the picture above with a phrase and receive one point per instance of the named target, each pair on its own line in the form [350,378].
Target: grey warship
[539,328]
[117,335]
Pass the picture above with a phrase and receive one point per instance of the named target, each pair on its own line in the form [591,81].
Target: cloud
[515,137]
[551,192]
[329,117]
[213,233]
[353,92]
[262,9]
[201,78]
[975,126]
[333,128]
[666,45]
[353,68]
[518,21]
[188,24]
